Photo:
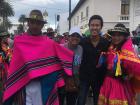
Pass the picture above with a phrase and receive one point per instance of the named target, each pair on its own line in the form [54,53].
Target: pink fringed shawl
[33,57]
[132,63]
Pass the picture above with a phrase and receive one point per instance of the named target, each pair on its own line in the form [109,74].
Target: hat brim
[75,34]
[113,31]
[28,19]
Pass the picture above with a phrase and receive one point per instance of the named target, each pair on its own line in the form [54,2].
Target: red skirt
[116,92]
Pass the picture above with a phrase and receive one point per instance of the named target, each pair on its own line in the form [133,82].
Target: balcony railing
[124,18]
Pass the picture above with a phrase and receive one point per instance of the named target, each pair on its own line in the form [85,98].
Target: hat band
[36,17]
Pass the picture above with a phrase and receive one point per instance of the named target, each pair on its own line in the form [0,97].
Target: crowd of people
[42,69]
[5,56]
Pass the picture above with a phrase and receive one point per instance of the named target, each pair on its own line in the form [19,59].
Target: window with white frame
[125,4]
[74,21]
[81,16]
[77,19]
[87,12]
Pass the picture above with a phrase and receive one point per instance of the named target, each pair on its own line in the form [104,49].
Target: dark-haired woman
[122,66]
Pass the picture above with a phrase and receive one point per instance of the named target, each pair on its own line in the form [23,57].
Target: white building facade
[13,29]
[112,11]
[63,24]
[134,14]
[1,20]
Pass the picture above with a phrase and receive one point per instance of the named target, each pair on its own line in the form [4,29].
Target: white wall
[83,24]
[63,25]
[110,10]
[0,20]
[134,14]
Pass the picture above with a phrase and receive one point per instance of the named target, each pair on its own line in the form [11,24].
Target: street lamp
[69,14]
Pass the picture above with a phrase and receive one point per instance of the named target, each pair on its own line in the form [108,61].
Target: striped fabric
[35,57]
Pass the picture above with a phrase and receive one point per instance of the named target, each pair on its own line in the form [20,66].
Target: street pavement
[89,101]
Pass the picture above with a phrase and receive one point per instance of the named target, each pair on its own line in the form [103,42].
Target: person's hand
[107,36]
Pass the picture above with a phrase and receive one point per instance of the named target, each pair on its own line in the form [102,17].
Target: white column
[132,14]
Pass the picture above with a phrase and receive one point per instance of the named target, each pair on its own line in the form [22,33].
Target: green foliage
[20,28]
[6,11]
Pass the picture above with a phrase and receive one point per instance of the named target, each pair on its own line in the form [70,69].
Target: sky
[51,6]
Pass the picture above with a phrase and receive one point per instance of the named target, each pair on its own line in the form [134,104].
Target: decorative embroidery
[104,101]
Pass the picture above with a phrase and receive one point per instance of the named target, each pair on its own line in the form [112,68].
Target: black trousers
[84,90]
[69,97]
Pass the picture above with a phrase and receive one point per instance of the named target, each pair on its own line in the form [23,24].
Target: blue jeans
[84,88]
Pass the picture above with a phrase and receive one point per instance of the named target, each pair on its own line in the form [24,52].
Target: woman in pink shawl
[122,66]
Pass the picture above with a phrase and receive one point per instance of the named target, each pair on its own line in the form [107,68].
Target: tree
[6,11]
[8,24]
[20,29]
[2,28]
[22,20]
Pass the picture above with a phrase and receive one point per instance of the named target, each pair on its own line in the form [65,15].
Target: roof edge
[79,4]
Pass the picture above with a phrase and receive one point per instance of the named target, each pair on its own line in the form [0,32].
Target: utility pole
[69,14]
[55,20]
